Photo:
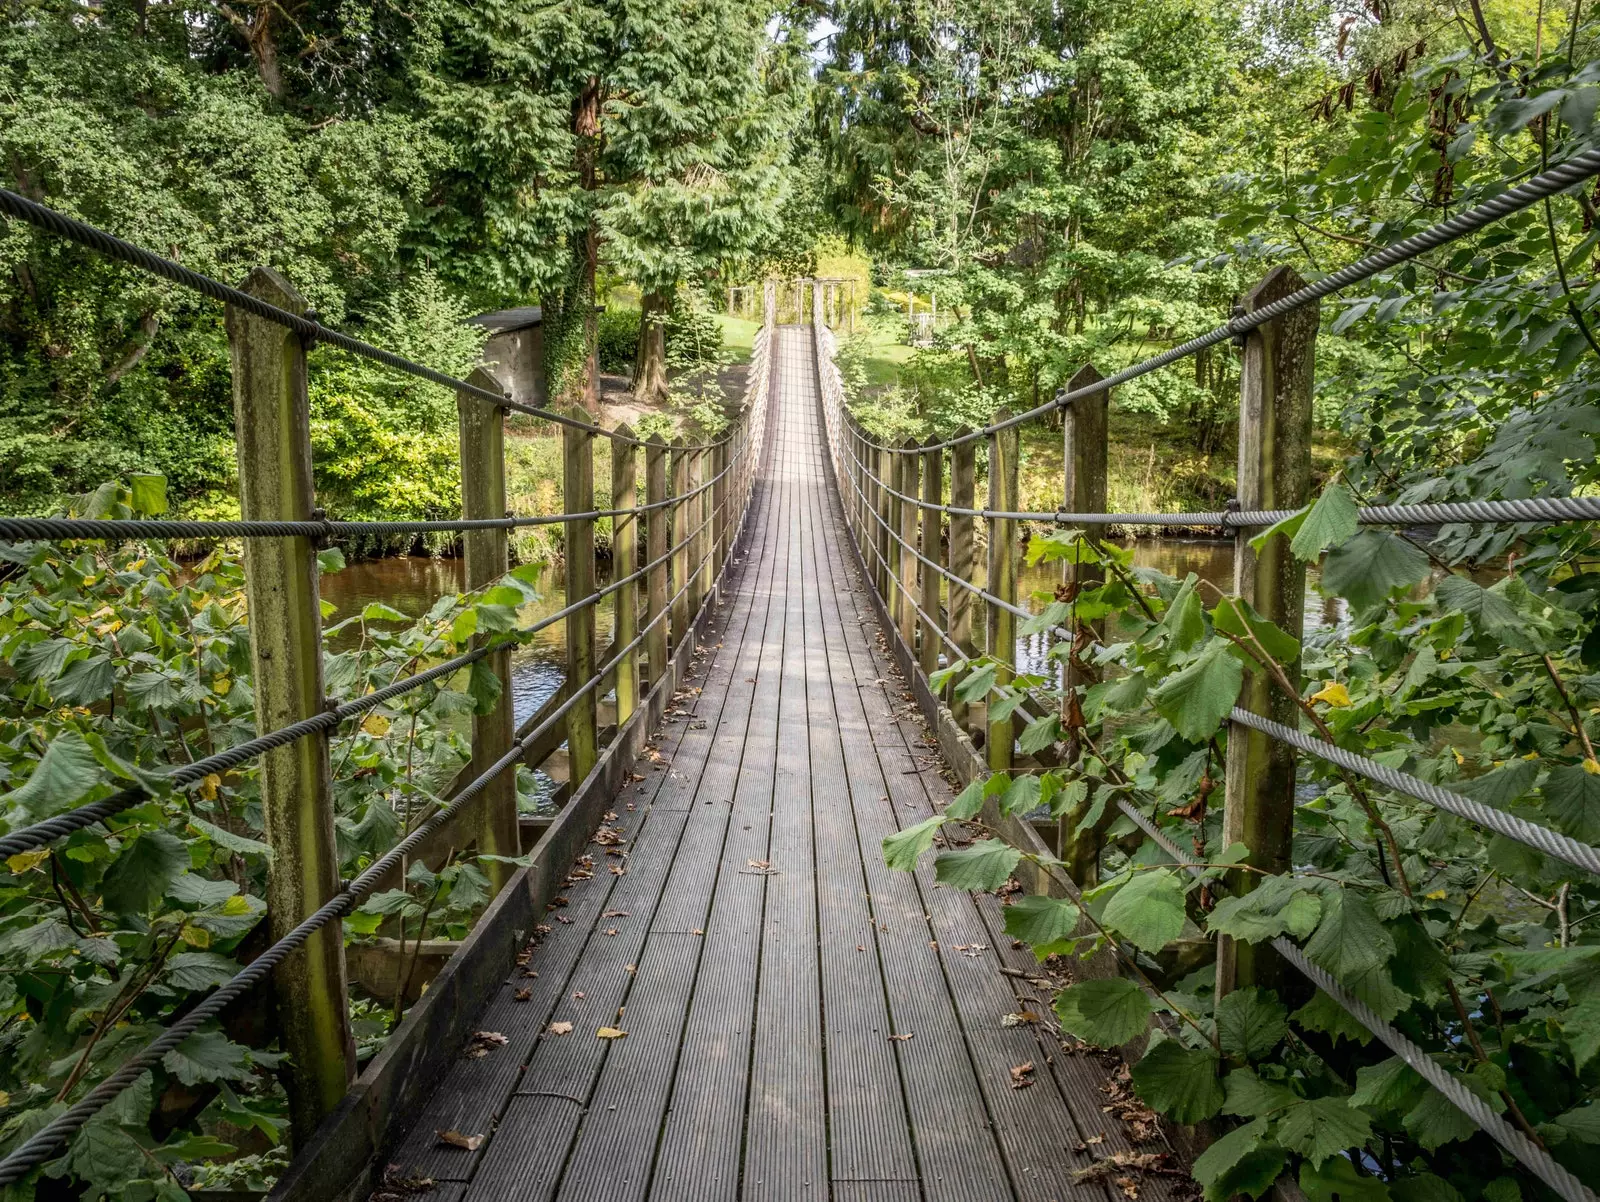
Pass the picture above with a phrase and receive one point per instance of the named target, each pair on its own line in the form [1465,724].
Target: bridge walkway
[801,1022]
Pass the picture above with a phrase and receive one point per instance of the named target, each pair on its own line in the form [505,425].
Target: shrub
[619,339]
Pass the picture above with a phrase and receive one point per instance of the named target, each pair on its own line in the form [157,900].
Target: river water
[411,584]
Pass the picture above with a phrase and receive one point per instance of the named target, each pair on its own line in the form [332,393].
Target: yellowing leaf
[561,1028]
[1333,693]
[610,1033]
[221,685]
[375,724]
[25,861]
[109,627]
[1592,767]
[209,787]
[197,936]
[1439,895]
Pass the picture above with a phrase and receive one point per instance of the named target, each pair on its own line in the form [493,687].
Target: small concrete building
[514,354]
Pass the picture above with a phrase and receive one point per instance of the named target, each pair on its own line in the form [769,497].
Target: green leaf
[1434,1121]
[105,1156]
[148,495]
[981,868]
[1217,1168]
[1572,798]
[904,849]
[229,841]
[967,803]
[1022,796]
[1323,1127]
[1250,1023]
[977,684]
[464,626]
[483,686]
[377,611]
[65,773]
[207,1056]
[131,1107]
[1330,522]
[1388,1085]
[1148,910]
[1278,906]
[1288,527]
[1349,940]
[1236,616]
[1183,623]
[190,889]
[1424,1187]
[1197,699]
[1582,1123]
[1106,1013]
[1370,566]
[1491,614]
[1324,1014]
[1503,786]
[1251,1097]
[1180,1082]
[199,970]
[1042,922]
[1336,1180]
[390,901]
[1039,734]
[143,872]
[37,939]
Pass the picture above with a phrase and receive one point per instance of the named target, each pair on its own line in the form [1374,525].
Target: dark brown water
[411,584]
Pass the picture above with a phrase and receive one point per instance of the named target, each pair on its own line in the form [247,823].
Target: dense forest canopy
[1078,182]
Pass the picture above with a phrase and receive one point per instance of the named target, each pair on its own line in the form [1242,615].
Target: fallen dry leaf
[577,995]
[484,1042]
[616,914]
[902,1038]
[611,930]
[1022,1075]
[610,1033]
[561,1028]
[1018,1019]
[469,1143]
[523,995]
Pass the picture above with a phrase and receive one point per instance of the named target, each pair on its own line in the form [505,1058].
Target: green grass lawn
[738,337]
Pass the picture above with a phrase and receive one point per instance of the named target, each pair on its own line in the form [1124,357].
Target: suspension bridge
[703,981]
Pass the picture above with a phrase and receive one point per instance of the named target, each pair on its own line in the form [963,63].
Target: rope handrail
[1545,184]
[48,830]
[42,1145]
[307,327]
[1552,510]
[61,529]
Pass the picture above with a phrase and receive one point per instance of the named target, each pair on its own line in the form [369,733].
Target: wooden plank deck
[802,1023]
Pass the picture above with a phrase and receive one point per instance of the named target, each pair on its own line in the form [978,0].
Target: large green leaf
[143,872]
[1371,566]
[199,970]
[1330,522]
[1250,1022]
[1198,698]
[105,1156]
[1323,1127]
[1183,623]
[1148,910]
[207,1056]
[1490,613]
[1434,1121]
[1280,905]
[1236,1163]
[1572,798]
[1046,924]
[981,868]
[1336,1180]
[1389,1085]
[1180,1082]
[1106,1013]
[904,849]
[1349,940]
[1021,796]
[1236,616]
[64,774]
[1249,1096]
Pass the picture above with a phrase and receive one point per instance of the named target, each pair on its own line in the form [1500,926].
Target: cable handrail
[43,1144]
[60,529]
[48,830]
[305,325]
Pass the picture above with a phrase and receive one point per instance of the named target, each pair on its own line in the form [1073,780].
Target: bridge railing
[696,500]
[896,508]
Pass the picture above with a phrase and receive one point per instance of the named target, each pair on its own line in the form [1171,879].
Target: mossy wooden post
[624,563]
[704,529]
[681,524]
[658,532]
[272,421]
[1274,473]
[1083,446]
[488,557]
[885,522]
[1004,446]
[932,521]
[695,520]
[577,496]
[910,463]
[962,556]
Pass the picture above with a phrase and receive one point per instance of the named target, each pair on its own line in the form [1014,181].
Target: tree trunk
[650,361]
[586,125]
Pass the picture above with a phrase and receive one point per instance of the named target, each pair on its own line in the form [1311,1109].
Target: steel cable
[308,328]
[42,1145]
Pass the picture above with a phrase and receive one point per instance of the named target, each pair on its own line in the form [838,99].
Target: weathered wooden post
[578,497]
[658,532]
[1274,473]
[680,541]
[697,528]
[625,562]
[488,557]
[963,491]
[272,422]
[886,523]
[1004,446]
[910,463]
[1083,445]
[932,521]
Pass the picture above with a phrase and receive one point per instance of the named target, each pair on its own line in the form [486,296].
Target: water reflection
[411,584]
